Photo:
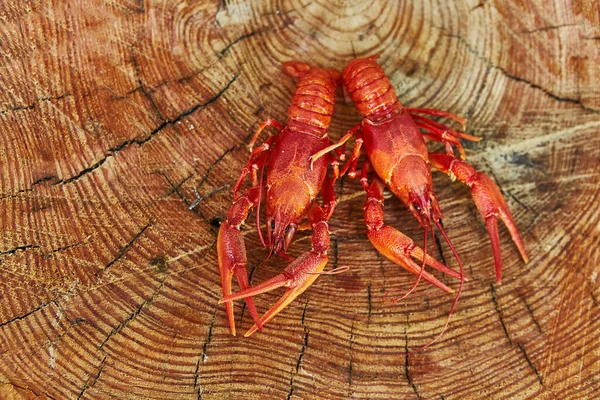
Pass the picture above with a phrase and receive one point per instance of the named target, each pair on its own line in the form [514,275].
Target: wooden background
[112,112]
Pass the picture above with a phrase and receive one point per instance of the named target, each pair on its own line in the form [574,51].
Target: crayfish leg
[437,113]
[488,199]
[268,122]
[342,142]
[441,133]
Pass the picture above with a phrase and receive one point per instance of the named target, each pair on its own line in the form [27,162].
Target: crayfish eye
[417,206]
[272,224]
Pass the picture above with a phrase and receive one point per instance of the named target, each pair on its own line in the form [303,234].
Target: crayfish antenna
[458,292]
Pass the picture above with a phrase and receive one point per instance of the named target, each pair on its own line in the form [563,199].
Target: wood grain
[111,113]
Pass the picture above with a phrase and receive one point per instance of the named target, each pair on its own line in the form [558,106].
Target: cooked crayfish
[395,148]
[290,191]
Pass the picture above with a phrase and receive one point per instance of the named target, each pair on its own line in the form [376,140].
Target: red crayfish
[395,149]
[290,191]
[393,138]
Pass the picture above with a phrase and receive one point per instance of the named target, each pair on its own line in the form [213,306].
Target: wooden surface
[111,113]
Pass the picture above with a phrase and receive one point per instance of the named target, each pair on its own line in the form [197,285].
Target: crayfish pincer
[289,189]
[393,138]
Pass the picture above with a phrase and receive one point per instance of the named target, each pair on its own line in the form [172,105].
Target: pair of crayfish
[297,159]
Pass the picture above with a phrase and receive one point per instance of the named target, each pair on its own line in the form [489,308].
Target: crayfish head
[424,206]
[280,233]
[287,203]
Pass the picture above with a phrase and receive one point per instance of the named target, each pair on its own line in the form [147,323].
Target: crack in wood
[214,164]
[254,267]
[369,304]
[407,363]
[521,348]
[209,338]
[76,322]
[301,355]
[175,188]
[202,181]
[110,153]
[535,321]
[63,248]
[438,244]
[19,249]
[224,51]
[21,317]
[220,56]
[547,28]
[44,179]
[519,202]
[145,303]
[515,78]
[142,87]
[531,365]
[203,357]
[199,198]
[481,4]
[114,150]
[499,312]
[87,384]
[34,103]
[594,299]
[196,379]
[123,250]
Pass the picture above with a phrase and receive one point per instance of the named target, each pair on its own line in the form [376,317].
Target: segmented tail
[314,97]
[370,89]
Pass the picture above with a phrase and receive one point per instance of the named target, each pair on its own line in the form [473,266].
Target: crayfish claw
[489,201]
[395,245]
[297,277]
[232,253]
[491,205]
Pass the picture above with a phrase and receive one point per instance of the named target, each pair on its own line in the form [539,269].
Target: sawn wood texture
[112,112]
